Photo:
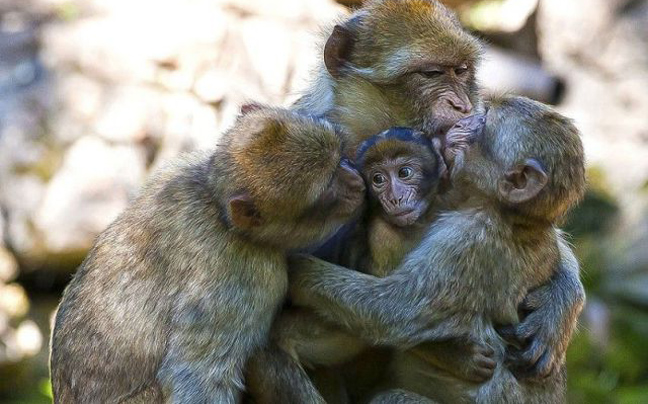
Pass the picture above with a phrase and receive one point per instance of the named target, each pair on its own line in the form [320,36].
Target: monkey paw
[482,364]
[537,344]
[461,358]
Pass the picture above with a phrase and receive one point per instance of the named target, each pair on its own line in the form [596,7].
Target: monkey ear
[339,46]
[523,183]
[243,212]
[250,107]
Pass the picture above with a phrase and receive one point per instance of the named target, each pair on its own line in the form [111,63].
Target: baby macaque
[403,171]
[183,287]
[522,168]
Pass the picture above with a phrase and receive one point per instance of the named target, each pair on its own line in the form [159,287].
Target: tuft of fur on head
[400,142]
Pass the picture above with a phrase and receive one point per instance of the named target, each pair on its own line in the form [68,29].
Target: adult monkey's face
[410,60]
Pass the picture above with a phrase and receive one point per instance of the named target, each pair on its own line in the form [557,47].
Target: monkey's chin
[405,219]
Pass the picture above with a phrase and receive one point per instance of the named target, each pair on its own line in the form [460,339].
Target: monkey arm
[395,311]
[201,363]
[553,308]
[312,340]
[273,376]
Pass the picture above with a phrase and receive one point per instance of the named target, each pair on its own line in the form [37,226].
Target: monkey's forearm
[568,278]
[394,310]
[272,376]
[312,341]
[560,301]
[566,294]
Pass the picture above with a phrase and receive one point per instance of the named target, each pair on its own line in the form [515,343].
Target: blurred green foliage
[615,368]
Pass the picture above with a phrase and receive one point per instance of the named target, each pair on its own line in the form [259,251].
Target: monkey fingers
[399,396]
[522,367]
[510,336]
[483,364]
[461,358]
[529,355]
[539,338]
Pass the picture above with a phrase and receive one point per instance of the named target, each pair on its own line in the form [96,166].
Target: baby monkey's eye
[378,179]
[405,172]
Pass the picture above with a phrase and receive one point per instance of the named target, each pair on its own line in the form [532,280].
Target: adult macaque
[396,63]
[410,63]
[180,290]
[523,170]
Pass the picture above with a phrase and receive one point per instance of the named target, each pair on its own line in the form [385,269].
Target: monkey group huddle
[436,272]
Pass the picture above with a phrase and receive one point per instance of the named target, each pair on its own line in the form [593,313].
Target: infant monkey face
[400,185]
[402,168]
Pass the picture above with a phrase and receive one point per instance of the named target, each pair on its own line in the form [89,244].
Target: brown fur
[378,251]
[379,84]
[370,80]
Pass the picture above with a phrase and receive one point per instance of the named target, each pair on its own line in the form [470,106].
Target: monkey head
[289,185]
[409,59]
[521,154]
[402,169]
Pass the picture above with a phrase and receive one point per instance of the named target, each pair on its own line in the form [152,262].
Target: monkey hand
[463,359]
[537,345]
[479,364]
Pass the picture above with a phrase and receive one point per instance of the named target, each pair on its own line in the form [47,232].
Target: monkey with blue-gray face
[404,171]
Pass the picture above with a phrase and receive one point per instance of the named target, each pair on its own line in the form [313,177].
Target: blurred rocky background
[96,93]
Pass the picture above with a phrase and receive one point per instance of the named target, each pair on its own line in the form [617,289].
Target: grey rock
[94,184]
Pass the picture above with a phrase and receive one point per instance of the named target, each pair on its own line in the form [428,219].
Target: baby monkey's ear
[437,146]
[243,212]
[523,182]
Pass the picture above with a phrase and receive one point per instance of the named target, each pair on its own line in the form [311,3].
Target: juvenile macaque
[403,170]
[410,63]
[522,169]
[180,290]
